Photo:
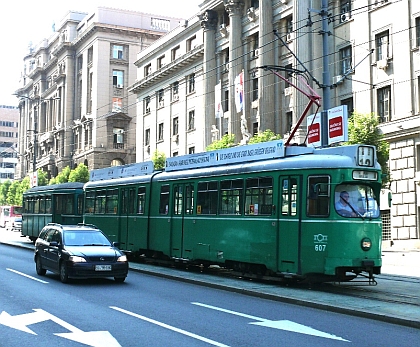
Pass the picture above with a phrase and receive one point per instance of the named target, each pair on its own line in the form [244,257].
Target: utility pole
[36,115]
[326,96]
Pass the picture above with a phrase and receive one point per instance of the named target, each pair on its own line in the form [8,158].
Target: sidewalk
[404,263]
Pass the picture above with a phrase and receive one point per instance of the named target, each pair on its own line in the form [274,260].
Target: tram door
[128,200]
[290,224]
[183,206]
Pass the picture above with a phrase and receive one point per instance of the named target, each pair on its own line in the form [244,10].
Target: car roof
[74,228]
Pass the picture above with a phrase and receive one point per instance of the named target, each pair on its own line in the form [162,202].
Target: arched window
[117,162]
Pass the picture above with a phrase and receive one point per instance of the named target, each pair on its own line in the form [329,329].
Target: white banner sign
[239,154]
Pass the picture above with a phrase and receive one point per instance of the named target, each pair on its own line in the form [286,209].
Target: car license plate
[103,268]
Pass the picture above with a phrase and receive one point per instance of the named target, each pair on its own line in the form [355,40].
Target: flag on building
[218,112]
[239,92]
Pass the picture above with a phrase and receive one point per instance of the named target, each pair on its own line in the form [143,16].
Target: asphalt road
[154,311]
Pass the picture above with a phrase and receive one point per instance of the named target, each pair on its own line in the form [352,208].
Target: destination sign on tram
[239,154]
[129,170]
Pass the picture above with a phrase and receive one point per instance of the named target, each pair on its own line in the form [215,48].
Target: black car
[78,251]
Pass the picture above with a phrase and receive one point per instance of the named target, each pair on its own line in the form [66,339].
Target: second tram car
[57,203]
[279,216]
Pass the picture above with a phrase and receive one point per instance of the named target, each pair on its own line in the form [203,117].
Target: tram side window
[36,206]
[318,196]
[80,204]
[90,202]
[132,201]
[259,196]
[65,204]
[178,194]
[100,202]
[231,196]
[26,205]
[184,199]
[42,204]
[31,205]
[141,200]
[207,193]
[48,205]
[289,196]
[189,199]
[164,200]
[111,201]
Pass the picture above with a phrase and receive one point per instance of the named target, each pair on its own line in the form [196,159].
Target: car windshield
[80,238]
[356,201]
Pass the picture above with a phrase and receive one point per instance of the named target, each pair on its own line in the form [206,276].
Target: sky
[28,21]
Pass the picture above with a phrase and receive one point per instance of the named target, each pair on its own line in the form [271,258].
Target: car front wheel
[39,270]
[64,274]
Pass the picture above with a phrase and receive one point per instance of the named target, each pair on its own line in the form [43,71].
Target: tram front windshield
[356,201]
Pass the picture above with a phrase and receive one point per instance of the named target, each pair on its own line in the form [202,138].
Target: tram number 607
[320,248]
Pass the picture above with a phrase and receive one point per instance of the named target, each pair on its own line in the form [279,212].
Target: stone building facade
[362,58]
[74,104]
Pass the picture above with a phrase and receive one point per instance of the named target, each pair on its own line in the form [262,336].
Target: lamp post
[35,146]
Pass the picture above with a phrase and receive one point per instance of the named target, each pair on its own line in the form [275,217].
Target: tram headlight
[366,243]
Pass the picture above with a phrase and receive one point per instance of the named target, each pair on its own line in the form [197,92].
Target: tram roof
[56,188]
[295,158]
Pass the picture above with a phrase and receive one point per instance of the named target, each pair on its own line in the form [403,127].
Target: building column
[209,23]
[266,110]
[235,9]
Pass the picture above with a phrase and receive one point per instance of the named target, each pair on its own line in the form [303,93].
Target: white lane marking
[90,338]
[229,311]
[25,275]
[281,324]
[166,326]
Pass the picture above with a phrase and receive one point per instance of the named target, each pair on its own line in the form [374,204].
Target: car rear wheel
[64,274]
[39,270]
[119,279]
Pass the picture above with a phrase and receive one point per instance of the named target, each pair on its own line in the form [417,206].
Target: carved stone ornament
[208,19]
[234,7]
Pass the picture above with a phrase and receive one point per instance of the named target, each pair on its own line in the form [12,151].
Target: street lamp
[35,146]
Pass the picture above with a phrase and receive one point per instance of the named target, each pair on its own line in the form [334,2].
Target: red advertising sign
[337,124]
[314,134]
[313,129]
[335,127]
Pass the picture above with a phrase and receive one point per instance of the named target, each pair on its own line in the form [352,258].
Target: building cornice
[185,60]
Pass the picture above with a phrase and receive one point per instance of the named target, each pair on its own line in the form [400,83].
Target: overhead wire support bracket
[295,56]
[349,71]
[313,97]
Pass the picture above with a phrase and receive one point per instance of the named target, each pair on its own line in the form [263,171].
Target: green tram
[57,203]
[253,210]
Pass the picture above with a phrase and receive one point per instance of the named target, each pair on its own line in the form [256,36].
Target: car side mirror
[116,244]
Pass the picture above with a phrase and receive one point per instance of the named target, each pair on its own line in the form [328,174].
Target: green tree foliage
[62,177]
[12,197]
[4,189]
[227,141]
[23,187]
[79,174]
[159,160]
[265,136]
[363,128]
[42,178]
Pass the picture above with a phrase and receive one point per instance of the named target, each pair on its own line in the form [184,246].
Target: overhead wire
[216,70]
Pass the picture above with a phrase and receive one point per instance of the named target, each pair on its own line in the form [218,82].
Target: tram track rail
[381,292]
